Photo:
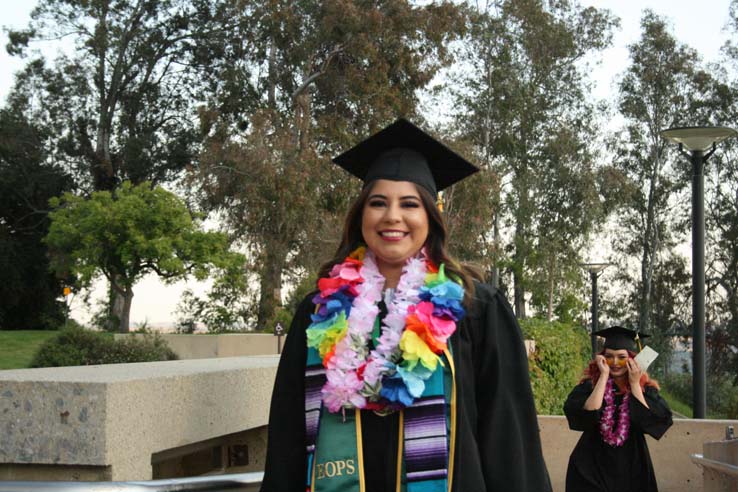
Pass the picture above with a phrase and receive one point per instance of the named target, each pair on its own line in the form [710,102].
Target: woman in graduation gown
[615,405]
[402,372]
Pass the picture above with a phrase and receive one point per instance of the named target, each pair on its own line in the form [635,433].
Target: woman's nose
[392,213]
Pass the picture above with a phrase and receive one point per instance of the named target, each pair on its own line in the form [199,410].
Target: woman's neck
[622,383]
[391,274]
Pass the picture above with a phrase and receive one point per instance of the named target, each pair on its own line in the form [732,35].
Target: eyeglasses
[612,362]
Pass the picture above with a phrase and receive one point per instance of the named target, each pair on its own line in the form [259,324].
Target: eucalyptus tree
[297,82]
[722,217]
[662,87]
[521,94]
[119,97]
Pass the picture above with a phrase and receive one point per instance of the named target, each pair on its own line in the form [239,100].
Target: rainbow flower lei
[607,422]
[420,319]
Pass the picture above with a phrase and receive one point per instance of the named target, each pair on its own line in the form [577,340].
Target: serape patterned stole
[426,437]
[314,380]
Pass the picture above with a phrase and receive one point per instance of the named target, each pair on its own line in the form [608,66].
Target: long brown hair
[592,373]
[435,244]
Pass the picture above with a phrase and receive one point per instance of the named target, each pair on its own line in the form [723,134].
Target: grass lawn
[17,347]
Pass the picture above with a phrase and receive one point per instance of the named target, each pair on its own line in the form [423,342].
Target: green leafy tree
[300,81]
[129,233]
[521,99]
[663,85]
[29,291]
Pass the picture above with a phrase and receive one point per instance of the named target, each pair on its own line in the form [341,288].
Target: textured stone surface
[65,473]
[52,422]
[118,415]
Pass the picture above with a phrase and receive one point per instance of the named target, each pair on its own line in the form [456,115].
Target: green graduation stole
[425,442]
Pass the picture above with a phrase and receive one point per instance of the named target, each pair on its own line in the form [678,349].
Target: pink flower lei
[420,318]
[620,435]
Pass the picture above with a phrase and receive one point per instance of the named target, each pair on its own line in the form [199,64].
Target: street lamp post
[701,143]
[595,270]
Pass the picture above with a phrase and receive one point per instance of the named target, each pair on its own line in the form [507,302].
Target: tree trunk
[549,312]
[102,167]
[520,255]
[519,294]
[648,259]
[272,85]
[121,299]
[271,284]
[496,246]
[125,316]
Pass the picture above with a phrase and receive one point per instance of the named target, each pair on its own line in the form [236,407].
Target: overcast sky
[700,25]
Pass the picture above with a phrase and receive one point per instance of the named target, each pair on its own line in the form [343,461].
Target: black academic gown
[595,466]
[498,447]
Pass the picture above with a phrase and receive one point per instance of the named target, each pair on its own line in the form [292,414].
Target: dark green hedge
[80,347]
[562,353]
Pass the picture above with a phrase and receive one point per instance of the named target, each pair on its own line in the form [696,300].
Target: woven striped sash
[334,448]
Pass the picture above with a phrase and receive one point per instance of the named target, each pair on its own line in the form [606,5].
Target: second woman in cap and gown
[615,405]
[416,378]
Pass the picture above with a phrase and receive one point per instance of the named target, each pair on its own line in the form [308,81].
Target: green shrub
[679,385]
[79,347]
[561,355]
[722,393]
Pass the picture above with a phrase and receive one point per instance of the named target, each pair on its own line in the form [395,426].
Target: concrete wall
[675,472]
[226,345]
[108,421]
[234,344]
[116,416]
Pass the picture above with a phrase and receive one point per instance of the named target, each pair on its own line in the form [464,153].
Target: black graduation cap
[404,152]
[619,338]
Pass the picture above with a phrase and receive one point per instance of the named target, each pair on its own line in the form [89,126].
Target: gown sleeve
[284,470]
[580,419]
[654,420]
[508,433]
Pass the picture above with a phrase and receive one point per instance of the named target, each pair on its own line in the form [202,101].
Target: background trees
[247,101]
[123,236]
[296,82]
[29,290]
[119,104]
[520,100]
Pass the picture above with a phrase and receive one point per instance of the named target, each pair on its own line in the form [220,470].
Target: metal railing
[718,466]
[245,482]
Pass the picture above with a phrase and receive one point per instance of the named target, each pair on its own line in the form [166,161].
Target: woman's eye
[410,205]
[376,203]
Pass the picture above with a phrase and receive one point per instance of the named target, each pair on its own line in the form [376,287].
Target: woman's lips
[392,236]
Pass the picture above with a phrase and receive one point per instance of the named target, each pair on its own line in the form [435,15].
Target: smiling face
[394,223]
[617,360]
